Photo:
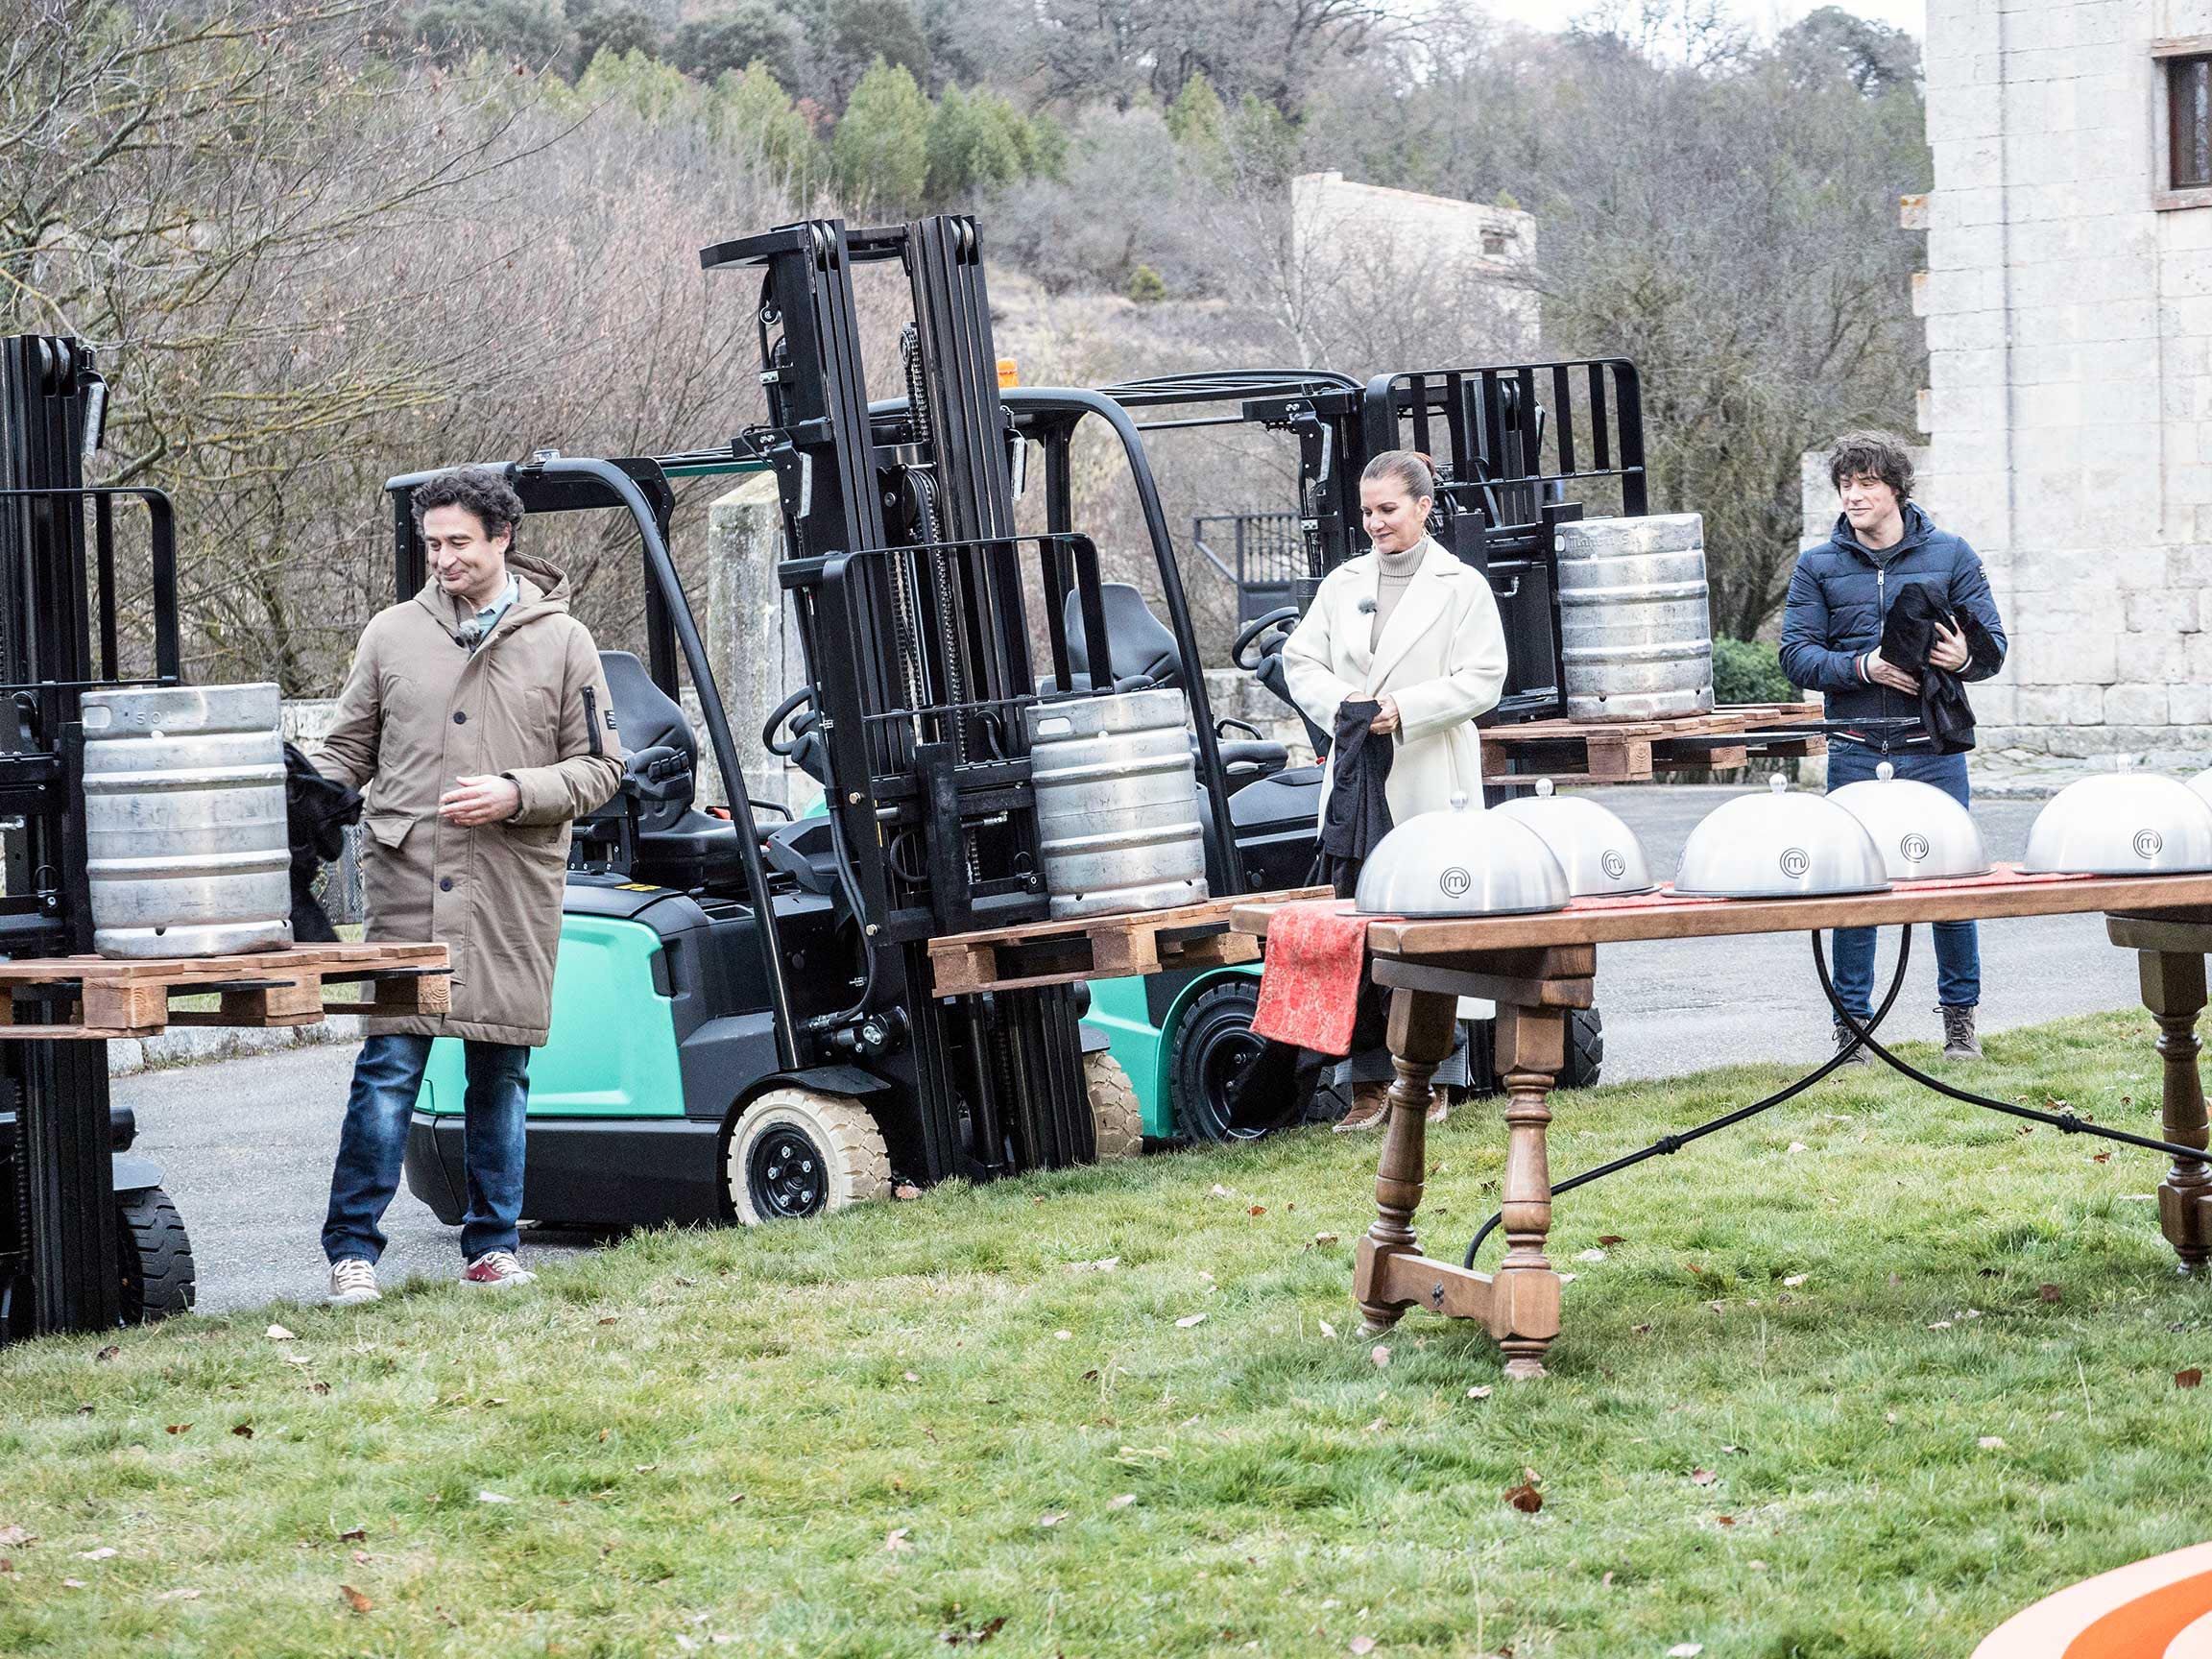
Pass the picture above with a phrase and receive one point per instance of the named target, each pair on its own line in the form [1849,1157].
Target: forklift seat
[1140,646]
[678,846]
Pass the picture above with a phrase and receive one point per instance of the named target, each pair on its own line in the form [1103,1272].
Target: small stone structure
[1402,238]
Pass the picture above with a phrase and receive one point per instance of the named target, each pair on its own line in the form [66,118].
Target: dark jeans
[373,1145]
[1957,949]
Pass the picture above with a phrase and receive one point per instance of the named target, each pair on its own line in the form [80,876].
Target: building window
[1496,243]
[2185,117]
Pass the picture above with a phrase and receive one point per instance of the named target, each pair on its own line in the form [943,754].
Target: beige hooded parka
[420,710]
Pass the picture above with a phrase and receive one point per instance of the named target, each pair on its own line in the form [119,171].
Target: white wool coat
[1442,656]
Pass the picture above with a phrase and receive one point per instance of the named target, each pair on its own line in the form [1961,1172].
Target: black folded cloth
[316,812]
[1908,637]
[1278,1083]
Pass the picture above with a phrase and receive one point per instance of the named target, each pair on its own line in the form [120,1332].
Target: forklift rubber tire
[1585,1048]
[1214,1043]
[158,1278]
[794,1154]
[1116,1119]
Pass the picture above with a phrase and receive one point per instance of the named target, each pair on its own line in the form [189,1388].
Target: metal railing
[1264,554]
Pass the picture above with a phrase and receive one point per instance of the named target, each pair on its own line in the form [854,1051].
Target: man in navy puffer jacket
[1831,642]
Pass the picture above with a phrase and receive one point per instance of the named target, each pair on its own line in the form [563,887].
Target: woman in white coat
[1408,627]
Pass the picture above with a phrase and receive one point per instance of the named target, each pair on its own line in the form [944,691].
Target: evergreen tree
[754,112]
[1197,117]
[881,149]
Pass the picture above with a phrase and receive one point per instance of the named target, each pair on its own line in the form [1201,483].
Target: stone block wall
[2069,403]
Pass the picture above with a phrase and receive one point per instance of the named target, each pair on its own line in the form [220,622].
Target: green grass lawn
[981,1416]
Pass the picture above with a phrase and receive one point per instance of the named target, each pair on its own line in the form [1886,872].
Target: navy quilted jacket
[1839,597]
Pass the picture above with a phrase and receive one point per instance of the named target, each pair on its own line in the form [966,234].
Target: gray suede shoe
[1958,1040]
[1843,1041]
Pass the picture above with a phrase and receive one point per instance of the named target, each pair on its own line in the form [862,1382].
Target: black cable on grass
[1669,1144]
[2065,1121]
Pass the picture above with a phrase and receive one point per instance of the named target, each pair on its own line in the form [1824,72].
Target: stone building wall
[2067,302]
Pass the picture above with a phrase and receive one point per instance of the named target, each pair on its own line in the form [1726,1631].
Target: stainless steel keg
[1118,803]
[185,821]
[1635,625]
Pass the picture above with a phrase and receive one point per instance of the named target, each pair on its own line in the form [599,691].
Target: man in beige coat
[478,724]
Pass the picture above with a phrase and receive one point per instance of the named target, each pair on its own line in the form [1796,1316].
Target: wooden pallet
[1630,751]
[102,996]
[1098,946]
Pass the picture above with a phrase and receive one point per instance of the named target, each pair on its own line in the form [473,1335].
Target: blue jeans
[1957,947]
[373,1145]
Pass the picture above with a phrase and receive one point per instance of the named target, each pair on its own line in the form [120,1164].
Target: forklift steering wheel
[784,710]
[1242,652]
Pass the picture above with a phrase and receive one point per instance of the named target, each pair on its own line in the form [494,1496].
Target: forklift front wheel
[795,1153]
[1116,1119]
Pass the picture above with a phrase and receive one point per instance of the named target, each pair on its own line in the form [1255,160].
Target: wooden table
[1536,968]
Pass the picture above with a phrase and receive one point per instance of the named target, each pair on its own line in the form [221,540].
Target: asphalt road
[247,1145]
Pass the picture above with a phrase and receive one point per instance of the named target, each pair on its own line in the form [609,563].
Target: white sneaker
[353,1280]
[496,1269]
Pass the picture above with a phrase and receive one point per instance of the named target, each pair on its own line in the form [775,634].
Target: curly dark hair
[477,490]
[1884,454]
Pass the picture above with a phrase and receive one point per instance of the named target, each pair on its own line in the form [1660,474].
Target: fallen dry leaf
[896,1539]
[1363,1643]
[1480,1391]
[686,1282]
[2049,1292]
[14,1537]
[354,1599]
[1380,1354]
[2189,1379]
[354,1535]
[100,1554]
[106,1353]
[1378,1425]
[1121,1500]
[1685,1650]
[1052,1520]
[1793,1280]
[913,1376]
[1189,1319]
[906,1192]
[178,1429]
[979,1635]
[612,1319]
[1940,1325]
[1611,1239]
[1062,1335]
[299,1359]
[318,1387]
[1257,1210]
[277,1334]
[1725,1520]
[1327,1329]
[2100,1157]
[1639,1329]
[1222,1192]
[492,1498]
[72,1583]
[1525,1497]
[177,1595]
[1591,1255]
[1702,1477]
[1324,1238]
[244,1431]
[1797,1146]
[1991,1442]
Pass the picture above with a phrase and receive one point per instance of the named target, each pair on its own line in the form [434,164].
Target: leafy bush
[1749,672]
[1145,286]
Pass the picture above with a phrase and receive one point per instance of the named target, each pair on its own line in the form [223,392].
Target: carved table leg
[2174,991]
[1422,1028]
[1525,1308]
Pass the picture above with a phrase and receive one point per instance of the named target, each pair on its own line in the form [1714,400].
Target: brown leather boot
[1370,1105]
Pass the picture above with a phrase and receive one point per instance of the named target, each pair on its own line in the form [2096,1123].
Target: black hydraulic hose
[1669,1144]
[2065,1122]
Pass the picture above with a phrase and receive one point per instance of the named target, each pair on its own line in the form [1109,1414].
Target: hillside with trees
[323,243]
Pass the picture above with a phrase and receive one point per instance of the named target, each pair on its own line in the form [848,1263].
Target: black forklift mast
[61,1263]
[909,583]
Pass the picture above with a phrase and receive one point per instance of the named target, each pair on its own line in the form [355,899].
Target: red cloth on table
[1310,982]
